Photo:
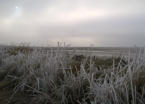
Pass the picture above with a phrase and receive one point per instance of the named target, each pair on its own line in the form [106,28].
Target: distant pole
[64,44]
[58,43]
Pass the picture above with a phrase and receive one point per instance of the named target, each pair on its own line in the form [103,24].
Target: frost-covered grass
[57,77]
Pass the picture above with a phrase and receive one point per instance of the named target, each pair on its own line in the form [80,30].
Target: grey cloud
[125,26]
[115,30]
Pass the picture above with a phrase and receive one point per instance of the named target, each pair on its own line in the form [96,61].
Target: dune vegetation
[31,76]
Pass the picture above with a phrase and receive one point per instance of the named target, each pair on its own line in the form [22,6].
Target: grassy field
[62,76]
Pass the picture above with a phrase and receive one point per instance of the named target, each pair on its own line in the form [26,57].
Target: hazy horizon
[76,22]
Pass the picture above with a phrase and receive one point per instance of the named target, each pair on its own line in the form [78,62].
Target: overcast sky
[76,22]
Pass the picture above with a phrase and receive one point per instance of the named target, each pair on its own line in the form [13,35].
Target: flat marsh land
[72,75]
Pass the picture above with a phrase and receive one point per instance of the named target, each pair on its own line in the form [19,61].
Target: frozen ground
[58,75]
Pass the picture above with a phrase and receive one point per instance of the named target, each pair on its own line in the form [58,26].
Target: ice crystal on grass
[56,77]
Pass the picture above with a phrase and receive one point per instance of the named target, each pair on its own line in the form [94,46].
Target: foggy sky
[76,22]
